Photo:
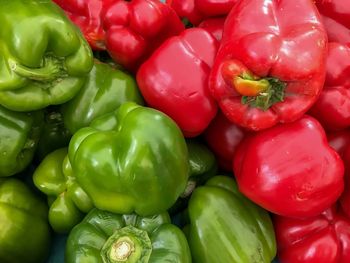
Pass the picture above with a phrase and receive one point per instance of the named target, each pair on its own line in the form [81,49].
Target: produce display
[153,131]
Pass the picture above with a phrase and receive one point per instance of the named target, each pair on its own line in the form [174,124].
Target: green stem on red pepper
[257,92]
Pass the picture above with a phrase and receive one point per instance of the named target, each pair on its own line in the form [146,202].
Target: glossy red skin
[332,108]
[174,80]
[198,10]
[215,26]
[323,238]
[340,141]
[86,15]
[282,39]
[186,9]
[336,19]
[290,169]
[338,10]
[210,8]
[134,29]
[223,137]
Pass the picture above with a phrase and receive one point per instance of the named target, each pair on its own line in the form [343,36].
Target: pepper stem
[51,69]
[127,245]
[122,249]
[256,92]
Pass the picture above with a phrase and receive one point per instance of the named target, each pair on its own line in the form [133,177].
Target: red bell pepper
[215,26]
[86,15]
[336,14]
[332,108]
[134,29]
[340,141]
[324,238]
[270,67]
[174,80]
[186,9]
[198,10]
[290,169]
[223,138]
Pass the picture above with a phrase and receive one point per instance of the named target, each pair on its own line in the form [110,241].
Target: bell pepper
[165,83]
[186,10]
[44,58]
[134,29]
[226,227]
[332,108]
[54,134]
[336,17]
[25,232]
[202,165]
[340,141]
[87,16]
[106,237]
[132,160]
[215,26]
[290,169]
[198,10]
[104,91]
[68,202]
[270,67]
[19,137]
[223,138]
[322,238]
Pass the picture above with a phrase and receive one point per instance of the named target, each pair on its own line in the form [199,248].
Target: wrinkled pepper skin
[270,67]
[227,227]
[332,108]
[323,238]
[68,202]
[203,166]
[87,16]
[134,29]
[174,80]
[198,10]
[340,141]
[105,89]
[19,137]
[54,134]
[297,177]
[25,232]
[106,237]
[336,17]
[39,71]
[223,138]
[135,160]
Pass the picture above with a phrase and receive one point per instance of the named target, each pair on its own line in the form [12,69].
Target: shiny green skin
[227,227]
[104,91]
[86,240]
[133,160]
[25,232]
[203,166]
[68,202]
[44,58]
[54,135]
[19,136]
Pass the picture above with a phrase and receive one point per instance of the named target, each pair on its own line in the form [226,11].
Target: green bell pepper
[44,58]
[104,91]
[111,238]
[25,232]
[203,166]
[227,227]
[54,135]
[132,160]
[19,136]
[68,202]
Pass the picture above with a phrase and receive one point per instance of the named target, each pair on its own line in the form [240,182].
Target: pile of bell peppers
[205,131]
